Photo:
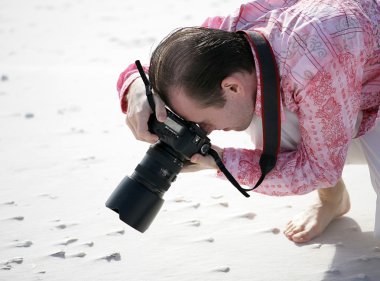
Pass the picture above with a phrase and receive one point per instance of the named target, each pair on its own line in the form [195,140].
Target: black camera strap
[148,86]
[270,109]
[228,175]
[270,101]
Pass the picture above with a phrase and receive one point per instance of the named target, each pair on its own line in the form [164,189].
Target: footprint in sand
[249,216]
[224,204]
[221,204]
[116,233]
[24,244]
[6,267]
[274,230]
[68,110]
[77,131]
[112,257]
[10,203]
[60,254]
[65,225]
[89,244]
[207,240]
[192,206]
[222,269]
[8,264]
[17,260]
[61,226]
[17,218]
[29,115]
[195,223]
[78,255]
[180,200]
[48,196]
[68,241]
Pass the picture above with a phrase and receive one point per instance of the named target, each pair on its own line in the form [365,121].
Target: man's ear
[231,84]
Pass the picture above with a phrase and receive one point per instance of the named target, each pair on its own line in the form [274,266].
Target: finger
[204,161]
[189,168]
[151,138]
[160,108]
[132,128]
[143,133]
[130,125]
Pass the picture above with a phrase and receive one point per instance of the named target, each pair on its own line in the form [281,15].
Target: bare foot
[333,202]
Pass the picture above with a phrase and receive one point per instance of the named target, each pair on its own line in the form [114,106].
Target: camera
[138,198]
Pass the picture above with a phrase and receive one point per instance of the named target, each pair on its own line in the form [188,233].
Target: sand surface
[64,147]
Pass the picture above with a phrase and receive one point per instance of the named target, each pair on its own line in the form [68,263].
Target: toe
[291,231]
[290,223]
[307,234]
[290,226]
[288,229]
[301,237]
[297,229]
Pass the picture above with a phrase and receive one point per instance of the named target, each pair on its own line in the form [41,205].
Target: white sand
[64,148]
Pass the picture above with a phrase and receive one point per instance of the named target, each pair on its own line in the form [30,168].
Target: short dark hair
[197,59]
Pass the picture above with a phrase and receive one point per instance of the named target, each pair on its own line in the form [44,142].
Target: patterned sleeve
[327,107]
[125,80]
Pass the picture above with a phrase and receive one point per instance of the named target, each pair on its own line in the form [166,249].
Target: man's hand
[138,111]
[200,162]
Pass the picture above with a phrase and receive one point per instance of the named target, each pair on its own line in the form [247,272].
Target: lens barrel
[138,199]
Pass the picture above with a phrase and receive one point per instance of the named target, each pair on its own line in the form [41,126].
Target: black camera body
[138,198]
[184,137]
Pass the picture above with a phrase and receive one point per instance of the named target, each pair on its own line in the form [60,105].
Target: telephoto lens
[138,199]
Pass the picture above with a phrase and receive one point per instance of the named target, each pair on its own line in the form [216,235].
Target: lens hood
[136,205]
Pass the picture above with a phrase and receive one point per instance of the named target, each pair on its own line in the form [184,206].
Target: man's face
[235,115]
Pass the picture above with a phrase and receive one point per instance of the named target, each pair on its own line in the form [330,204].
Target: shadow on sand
[357,255]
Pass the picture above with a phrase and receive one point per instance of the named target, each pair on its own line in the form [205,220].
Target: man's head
[197,64]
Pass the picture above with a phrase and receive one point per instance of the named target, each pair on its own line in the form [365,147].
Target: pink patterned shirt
[328,55]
